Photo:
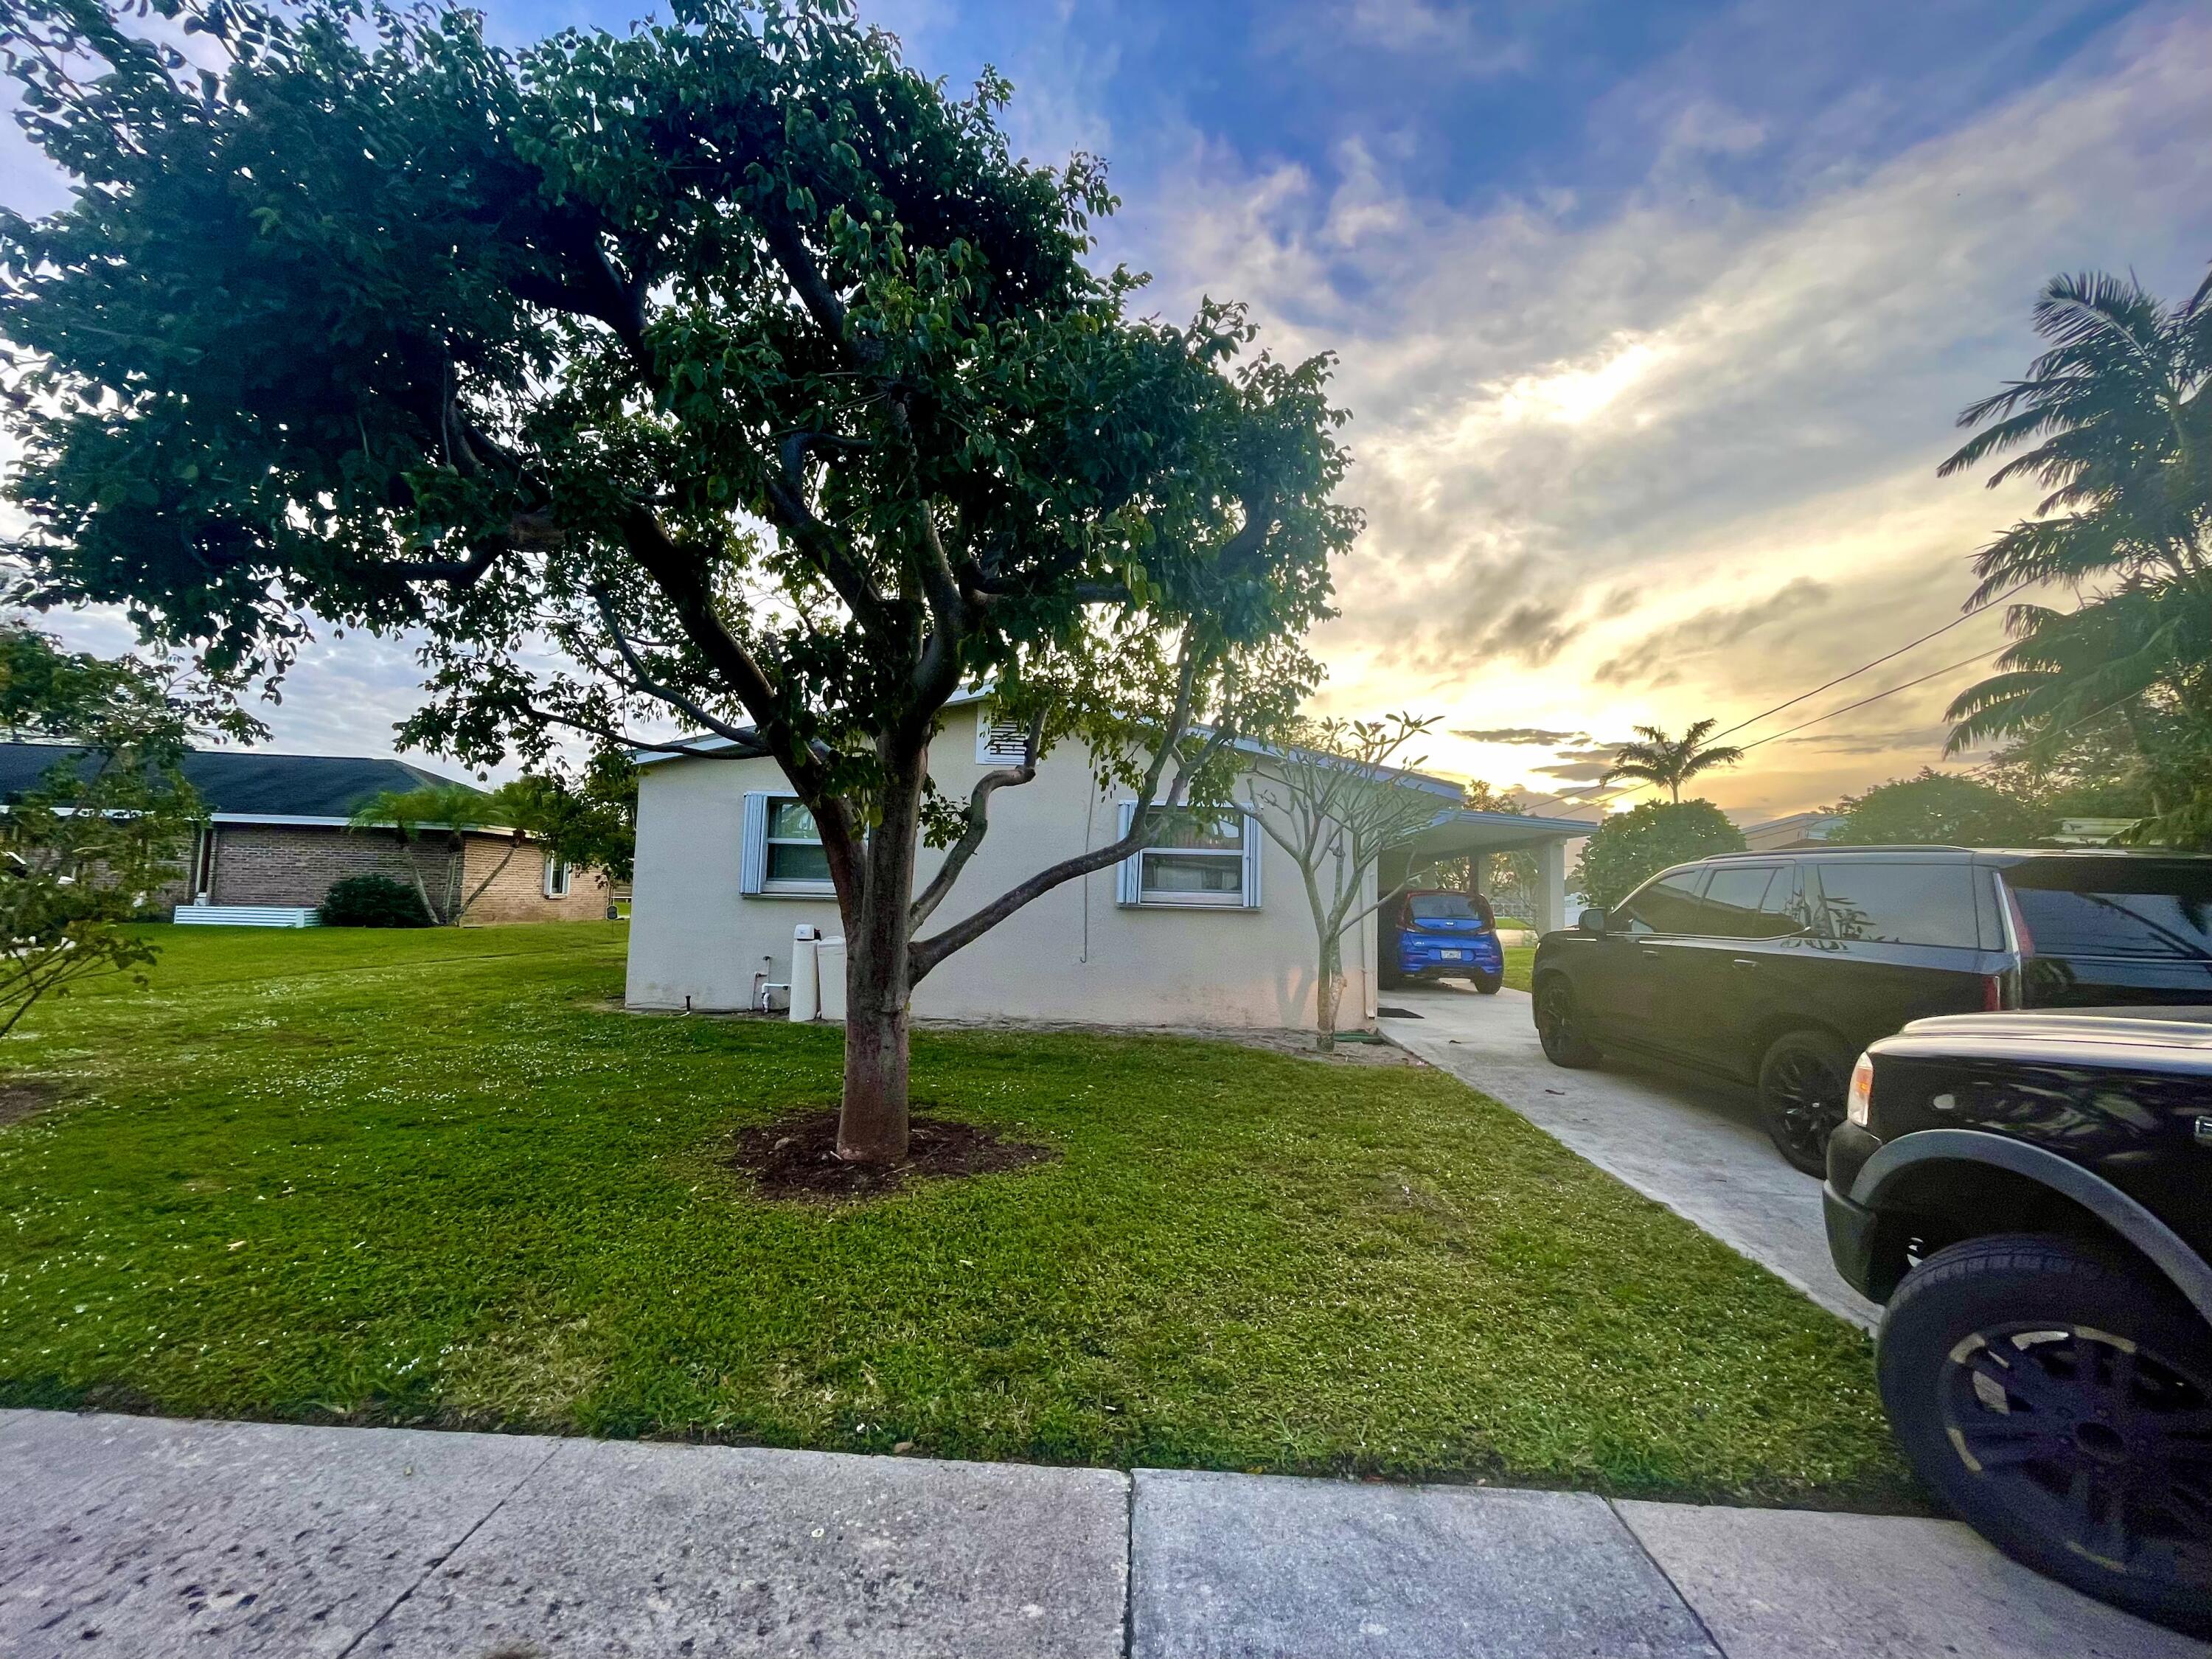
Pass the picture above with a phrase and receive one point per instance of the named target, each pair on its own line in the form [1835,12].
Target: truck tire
[2056,1395]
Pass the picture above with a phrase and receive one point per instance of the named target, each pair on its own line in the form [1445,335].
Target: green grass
[431,1177]
[1519,962]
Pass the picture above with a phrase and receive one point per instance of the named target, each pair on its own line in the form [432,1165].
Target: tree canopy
[1937,809]
[1630,847]
[725,372]
[1670,763]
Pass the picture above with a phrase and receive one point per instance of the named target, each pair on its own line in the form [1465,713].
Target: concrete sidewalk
[143,1539]
[1697,1148]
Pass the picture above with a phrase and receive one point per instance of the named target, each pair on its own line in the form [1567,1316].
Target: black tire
[1560,1028]
[1487,983]
[2060,1400]
[1802,1079]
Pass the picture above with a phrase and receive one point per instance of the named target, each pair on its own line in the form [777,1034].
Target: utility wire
[1876,697]
[1964,617]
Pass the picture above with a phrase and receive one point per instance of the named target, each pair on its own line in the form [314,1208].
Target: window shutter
[1000,742]
[752,859]
[1255,842]
[1130,888]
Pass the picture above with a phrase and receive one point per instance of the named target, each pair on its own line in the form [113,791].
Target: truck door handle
[1650,955]
[1743,962]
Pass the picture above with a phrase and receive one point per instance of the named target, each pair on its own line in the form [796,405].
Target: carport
[1460,833]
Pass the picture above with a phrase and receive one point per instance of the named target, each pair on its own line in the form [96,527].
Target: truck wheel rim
[2091,1440]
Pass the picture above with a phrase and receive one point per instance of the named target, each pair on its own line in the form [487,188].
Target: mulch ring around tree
[797,1156]
[22,1097]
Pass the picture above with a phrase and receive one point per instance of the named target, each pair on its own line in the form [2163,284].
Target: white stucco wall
[1071,955]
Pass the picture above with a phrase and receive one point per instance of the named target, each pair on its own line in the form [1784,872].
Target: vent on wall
[1000,742]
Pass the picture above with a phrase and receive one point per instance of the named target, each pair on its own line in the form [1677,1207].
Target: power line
[1876,697]
[1964,617]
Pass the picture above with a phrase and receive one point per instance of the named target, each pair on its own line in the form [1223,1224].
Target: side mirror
[1591,922]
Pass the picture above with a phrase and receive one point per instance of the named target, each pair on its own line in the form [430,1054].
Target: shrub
[373,901]
[1937,808]
[1638,844]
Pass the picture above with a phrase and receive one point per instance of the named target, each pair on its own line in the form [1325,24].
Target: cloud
[1518,734]
[1656,659]
[1586,427]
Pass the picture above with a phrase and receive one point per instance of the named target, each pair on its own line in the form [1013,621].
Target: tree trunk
[871,1123]
[1328,991]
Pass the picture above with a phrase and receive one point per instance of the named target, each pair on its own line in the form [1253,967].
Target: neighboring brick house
[277,835]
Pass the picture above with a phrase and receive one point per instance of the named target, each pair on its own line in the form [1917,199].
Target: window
[1668,905]
[1441,907]
[1197,859]
[556,875]
[782,849]
[2117,913]
[1751,901]
[1895,902]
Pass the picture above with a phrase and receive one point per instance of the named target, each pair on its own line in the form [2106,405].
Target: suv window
[1751,901]
[1668,905]
[1440,907]
[1893,901]
[2143,911]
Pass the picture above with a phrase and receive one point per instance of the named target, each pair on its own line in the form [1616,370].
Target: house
[1798,829]
[1213,931]
[276,835]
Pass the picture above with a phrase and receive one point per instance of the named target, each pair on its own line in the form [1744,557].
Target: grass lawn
[431,1177]
[1519,962]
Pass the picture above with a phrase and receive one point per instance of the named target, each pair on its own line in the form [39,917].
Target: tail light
[1992,993]
[1858,1100]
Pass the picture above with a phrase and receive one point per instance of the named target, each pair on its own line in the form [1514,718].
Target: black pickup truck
[2030,1193]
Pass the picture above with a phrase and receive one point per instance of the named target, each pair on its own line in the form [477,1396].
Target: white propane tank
[805,997]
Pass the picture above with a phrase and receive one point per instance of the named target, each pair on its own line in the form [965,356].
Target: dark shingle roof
[253,784]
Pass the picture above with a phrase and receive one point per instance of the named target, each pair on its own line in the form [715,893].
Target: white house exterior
[1216,933]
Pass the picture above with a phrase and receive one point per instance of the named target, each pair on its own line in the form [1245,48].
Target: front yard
[433,1177]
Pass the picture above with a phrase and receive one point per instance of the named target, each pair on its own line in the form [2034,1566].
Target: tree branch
[978,815]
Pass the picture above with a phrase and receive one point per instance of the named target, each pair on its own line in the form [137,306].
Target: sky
[1653,319]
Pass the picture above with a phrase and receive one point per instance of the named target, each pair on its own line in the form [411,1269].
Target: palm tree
[446,810]
[2114,423]
[1670,761]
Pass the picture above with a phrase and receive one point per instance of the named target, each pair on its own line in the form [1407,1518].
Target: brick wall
[277,864]
[296,864]
[517,892]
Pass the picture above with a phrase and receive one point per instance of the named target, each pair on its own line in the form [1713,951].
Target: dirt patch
[797,1158]
[22,1097]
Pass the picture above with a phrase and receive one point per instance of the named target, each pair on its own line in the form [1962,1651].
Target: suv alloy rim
[1555,1018]
[2092,1441]
[1807,1099]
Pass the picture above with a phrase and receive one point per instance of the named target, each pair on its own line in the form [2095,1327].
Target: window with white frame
[556,875]
[1196,860]
[783,851]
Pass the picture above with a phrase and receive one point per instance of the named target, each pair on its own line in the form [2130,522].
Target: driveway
[1696,1148]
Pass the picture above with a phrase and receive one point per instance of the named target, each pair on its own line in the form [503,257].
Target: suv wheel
[1560,1025]
[1801,1082]
[2060,1401]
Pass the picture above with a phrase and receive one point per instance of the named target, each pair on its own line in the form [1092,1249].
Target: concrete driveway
[1695,1147]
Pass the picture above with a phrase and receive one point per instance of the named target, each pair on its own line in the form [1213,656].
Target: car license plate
[1451,956]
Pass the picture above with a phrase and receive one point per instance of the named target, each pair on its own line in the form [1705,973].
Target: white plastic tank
[804,949]
[830,956]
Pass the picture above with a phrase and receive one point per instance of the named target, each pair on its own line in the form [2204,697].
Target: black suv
[1775,968]
[2031,1194]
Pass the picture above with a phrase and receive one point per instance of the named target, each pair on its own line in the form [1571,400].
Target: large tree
[2113,421]
[726,370]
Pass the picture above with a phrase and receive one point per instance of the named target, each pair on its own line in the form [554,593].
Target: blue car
[1437,934]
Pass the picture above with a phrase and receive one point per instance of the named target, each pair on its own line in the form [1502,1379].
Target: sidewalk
[142,1538]
[1696,1148]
